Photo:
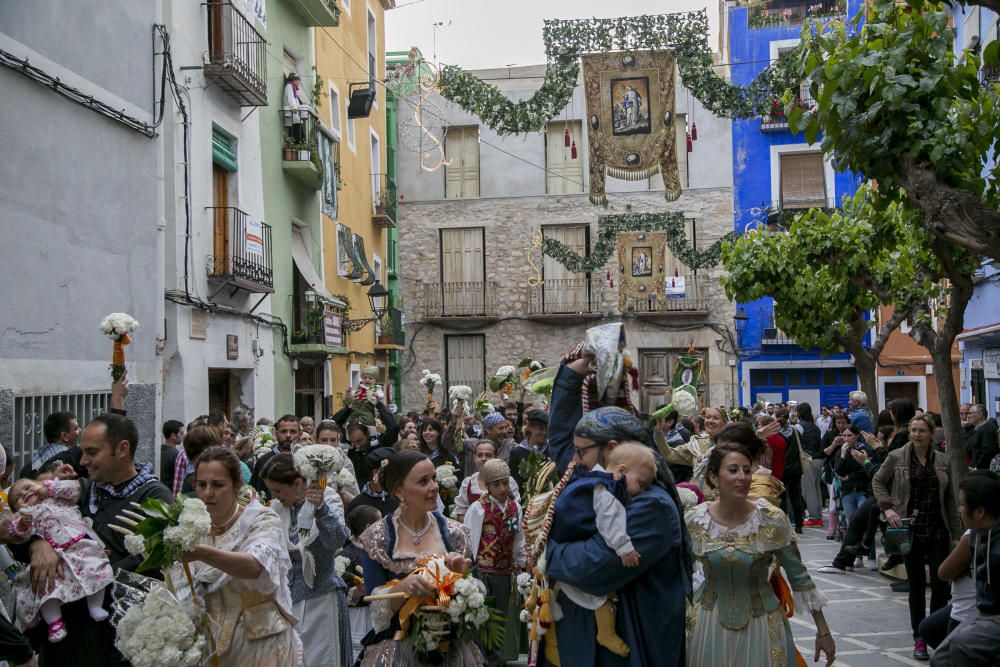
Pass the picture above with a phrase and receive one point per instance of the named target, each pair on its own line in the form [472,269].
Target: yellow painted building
[351,57]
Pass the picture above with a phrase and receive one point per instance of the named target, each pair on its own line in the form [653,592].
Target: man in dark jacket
[811,441]
[983,441]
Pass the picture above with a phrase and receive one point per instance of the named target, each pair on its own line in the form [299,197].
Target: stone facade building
[466,253]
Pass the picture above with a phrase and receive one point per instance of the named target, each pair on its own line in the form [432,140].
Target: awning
[303,262]
[979,331]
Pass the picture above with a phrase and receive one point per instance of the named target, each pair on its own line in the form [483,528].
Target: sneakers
[813,522]
[859,562]
[873,564]
[833,569]
[831,536]
[920,651]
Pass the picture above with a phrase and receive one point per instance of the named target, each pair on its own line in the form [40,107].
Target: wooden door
[220,200]
[563,172]
[462,148]
[462,273]
[654,372]
[466,362]
[562,290]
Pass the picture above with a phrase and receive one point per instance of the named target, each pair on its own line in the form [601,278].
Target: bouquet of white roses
[159,633]
[117,327]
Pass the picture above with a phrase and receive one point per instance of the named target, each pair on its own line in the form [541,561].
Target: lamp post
[378,299]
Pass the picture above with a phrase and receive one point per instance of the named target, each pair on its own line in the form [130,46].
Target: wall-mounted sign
[253,241]
[232,346]
[991,363]
[333,330]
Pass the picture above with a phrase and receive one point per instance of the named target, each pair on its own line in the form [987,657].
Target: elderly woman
[241,571]
[651,597]
[393,548]
[914,484]
[318,593]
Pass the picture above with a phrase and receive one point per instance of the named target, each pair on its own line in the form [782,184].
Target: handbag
[898,541]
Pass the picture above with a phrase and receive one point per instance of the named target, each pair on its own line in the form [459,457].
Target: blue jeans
[851,502]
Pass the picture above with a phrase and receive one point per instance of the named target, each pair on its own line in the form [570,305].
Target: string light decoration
[423,132]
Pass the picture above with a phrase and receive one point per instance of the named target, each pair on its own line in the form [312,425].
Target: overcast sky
[485,33]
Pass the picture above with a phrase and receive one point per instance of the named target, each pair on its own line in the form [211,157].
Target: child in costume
[494,523]
[364,397]
[594,501]
[49,509]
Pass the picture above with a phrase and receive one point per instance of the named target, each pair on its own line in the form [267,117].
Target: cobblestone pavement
[870,623]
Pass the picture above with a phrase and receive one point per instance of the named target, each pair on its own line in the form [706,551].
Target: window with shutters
[463,286]
[563,171]
[465,362]
[562,290]
[462,148]
[803,180]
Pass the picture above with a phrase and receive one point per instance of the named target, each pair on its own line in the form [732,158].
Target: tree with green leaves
[895,104]
[832,269]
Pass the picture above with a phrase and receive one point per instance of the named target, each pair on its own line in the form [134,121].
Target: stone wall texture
[513,333]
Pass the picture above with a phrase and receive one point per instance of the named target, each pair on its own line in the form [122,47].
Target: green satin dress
[737,617]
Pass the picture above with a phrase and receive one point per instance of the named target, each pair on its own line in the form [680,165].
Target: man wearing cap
[536,429]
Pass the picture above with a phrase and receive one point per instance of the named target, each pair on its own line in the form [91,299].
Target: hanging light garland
[684,33]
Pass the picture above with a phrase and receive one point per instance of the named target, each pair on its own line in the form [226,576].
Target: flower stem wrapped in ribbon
[118,326]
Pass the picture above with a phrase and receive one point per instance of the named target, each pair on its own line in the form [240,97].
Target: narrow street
[870,623]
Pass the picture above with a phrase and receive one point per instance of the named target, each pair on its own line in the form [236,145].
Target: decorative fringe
[624,174]
[598,199]
[671,196]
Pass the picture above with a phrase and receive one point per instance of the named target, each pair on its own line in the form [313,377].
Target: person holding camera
[915,485]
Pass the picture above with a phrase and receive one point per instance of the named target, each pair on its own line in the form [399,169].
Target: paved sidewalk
[870,623]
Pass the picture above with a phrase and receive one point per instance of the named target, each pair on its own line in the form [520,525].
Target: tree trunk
[944,380]
[865,362]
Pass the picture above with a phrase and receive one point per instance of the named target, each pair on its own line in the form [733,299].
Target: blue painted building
[775,174]
[979,343]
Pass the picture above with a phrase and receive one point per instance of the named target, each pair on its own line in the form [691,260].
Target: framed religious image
[642,261]
[232,347]
[630,106]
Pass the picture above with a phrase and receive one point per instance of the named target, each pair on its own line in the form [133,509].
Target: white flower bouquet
[117,327]
[461,613]
[263,441]
[524,583]
[162,532]
[447,482]
[159,633]
[430,382]
[505,379]
[459,393]
[317,462]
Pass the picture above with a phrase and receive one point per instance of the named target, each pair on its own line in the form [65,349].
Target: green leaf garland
[565,40]
[608,228]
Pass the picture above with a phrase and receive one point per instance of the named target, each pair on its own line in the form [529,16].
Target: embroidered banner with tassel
[630,108]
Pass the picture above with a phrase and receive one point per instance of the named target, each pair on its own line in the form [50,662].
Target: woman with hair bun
[393,548]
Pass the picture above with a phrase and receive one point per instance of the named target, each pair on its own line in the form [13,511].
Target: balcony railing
[237,55]
[324,13]
[390,332]
[300,149]
[384,200]
[473,299]
[776,121]
[684,294]
[242,251]
[791,12]
[565,296]
[770,333]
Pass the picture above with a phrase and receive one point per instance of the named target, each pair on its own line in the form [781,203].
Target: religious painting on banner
[630,109]
[687,369]
[640,268]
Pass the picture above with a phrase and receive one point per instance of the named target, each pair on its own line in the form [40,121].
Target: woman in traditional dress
[312,521]
[738,619]
[393,547]
[241,571]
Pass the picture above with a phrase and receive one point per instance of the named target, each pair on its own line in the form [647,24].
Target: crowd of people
[669,540]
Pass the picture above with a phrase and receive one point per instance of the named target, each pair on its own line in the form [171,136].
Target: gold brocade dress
[251,619]
[738,620]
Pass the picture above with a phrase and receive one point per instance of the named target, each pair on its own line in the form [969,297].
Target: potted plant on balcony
[290,153]
[382,204]
[303,151]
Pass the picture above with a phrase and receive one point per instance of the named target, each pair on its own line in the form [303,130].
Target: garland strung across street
[608,228]
[566,40]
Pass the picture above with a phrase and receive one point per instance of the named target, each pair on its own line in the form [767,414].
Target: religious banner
[630,106]
[687,369]
[640,270]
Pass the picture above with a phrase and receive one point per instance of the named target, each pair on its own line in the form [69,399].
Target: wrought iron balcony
[776,121]
[565,296]
[318,13]
[472,299]
[384,200]
[792,12]
[683,295]
[300,150]
[389,334]
[241,255]
[237,55]
[770,334]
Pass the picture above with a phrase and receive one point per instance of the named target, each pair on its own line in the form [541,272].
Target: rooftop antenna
[436,25]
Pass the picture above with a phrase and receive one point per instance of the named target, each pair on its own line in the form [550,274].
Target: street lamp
[378,298]
[740,320]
